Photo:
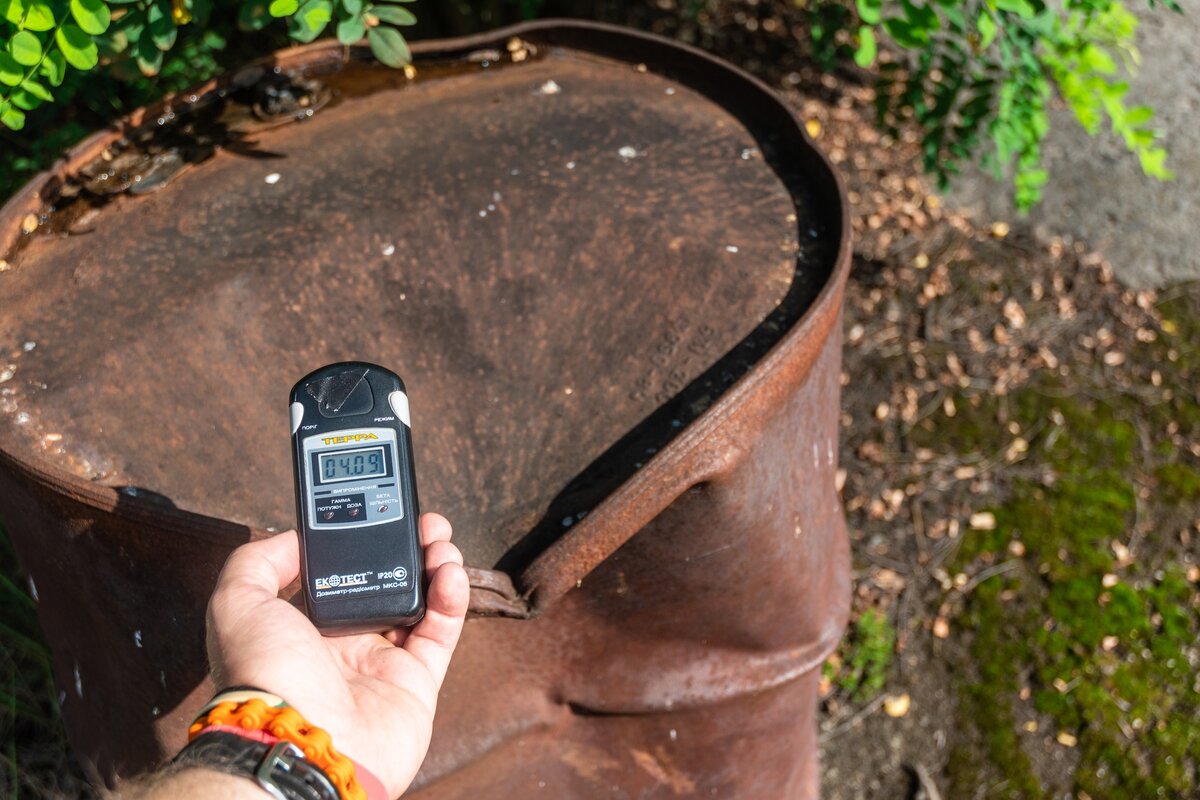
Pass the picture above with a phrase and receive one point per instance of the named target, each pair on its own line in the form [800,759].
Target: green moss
[866,657]
[1178,483]
[1132,705]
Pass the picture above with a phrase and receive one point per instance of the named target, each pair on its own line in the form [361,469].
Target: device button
[399,402]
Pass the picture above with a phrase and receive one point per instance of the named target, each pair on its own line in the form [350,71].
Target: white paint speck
[6,375]
[570,165]
[829,453]
[816,456]
[628,152]
[137,638]
[668,90]
[491,206]
[495,197]
[28,346]
[62,697]
[22,418]
[33,589]
[154,711]
[731,248]
[514,172]
[674,734]
[746,153]
[483,212]
[162,678]
[549,87]
[389,249]
[78,682]
[272,179]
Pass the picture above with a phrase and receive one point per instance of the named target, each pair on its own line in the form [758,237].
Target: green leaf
[394,15]
[163,30]
[39,16]
[905,33]
[11,117]
[283,8]
[254,16]
[310,20]
[864,56]
[389,46]
[10,71]
[353,7]
[869,11]
[149,56]
[12,10]
[317,13]
[1154,163]
[1023,8]
[25,47]
[54,67]
[1138,115]
[351,30]
[37,90]
[987,29]
[78,48]
[25,100]
[92,16]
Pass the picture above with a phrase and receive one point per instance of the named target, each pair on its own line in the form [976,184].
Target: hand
[375,695]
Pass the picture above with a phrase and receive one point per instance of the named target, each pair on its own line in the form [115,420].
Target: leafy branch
[977,77]
[40,39]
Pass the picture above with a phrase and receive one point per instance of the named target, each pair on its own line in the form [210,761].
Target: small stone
[813,126]
[941,628]
[29,224]
[549,87]
[1016,548]
[1109,642]
[4,265]
[897,705]
[999,230]
[53,437]
[983,521]
[921,261]
[389,249]
[272,179]
[882,411]
[1066,739]
[731,248]
[1031,726]
[1109,580]
[627,152]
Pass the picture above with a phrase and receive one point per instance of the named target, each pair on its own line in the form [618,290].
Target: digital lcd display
[349,464]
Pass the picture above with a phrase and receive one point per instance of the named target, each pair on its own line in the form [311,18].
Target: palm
[374,695]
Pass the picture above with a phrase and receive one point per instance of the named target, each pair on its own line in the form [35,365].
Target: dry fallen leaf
[941,628]
[1109,580]
[1109,642]
[983,521]
[813,126]
[1031,726]
[1000,229]
[1066,739]
[897,705]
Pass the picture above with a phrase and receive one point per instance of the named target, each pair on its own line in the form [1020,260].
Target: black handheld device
[356,500]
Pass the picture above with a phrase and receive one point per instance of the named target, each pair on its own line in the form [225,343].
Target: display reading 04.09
[347,464]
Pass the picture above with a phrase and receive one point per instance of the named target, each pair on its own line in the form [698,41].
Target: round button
[327,515]
[354,512]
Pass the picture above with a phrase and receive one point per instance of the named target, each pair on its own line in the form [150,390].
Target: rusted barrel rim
[682,463]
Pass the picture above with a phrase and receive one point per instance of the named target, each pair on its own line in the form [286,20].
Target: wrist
[195,783]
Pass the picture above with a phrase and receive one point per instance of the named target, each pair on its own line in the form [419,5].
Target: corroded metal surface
[611,274]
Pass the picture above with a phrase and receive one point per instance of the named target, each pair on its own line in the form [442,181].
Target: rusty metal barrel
[610,269]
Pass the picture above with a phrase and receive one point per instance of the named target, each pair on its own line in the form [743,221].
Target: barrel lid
[547,244]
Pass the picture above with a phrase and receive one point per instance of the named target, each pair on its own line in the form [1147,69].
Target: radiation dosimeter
[356,500]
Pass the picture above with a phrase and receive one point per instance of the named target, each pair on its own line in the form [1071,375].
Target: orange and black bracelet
[266,719]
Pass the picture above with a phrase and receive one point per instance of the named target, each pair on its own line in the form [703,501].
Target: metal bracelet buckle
[283,756]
